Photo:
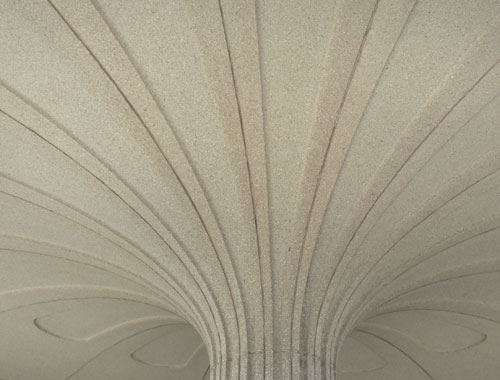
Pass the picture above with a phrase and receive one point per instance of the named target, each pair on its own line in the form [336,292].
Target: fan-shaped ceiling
[249,189]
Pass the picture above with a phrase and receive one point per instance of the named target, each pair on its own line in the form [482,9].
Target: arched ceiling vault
[249,189]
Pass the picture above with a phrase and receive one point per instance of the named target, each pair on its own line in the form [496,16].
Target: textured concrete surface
[247,190]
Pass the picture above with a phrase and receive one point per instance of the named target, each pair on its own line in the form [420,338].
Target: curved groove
[405,234]
[78,211]
[71,250]
[385,285]
[373,352]
[457,194]
[173,278]
[423,165]
[62,216]
[18,197]
[204,373]
[407,185]
[267,271]
[99,161]
[439,281]
[19,251]
[158,291]
[39,326]
[196,351]
[163,299]
[107,187]
[248,172]
[298,313]
[167,161]
[191,357]
[251,160]
[100,353]
[441,311]
[413,151]
[400,350]
[484,337]
[362,116]
[87,287]
[101,181]
[401,142]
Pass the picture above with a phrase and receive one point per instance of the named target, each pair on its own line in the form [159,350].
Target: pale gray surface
[272,189]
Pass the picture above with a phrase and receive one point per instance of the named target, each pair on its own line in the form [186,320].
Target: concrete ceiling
[249,190]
